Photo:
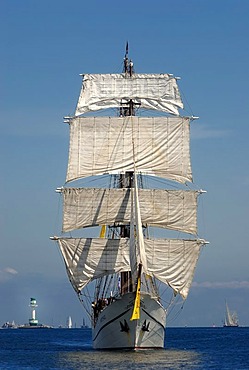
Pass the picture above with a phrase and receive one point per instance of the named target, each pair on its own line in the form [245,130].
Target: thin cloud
[223,284]
[205,132]
[7,273]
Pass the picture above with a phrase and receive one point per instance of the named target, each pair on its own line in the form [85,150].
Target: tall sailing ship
[125,169]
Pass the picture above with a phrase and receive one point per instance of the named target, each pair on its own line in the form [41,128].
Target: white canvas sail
[103,145]
[173,261]
[172,209]
[170,260]
[88,259]
[150,91]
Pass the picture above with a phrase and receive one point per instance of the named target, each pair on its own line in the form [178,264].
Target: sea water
[185,348]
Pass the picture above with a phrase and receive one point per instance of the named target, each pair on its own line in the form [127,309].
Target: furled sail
[138,232]
[103,145]
[172,261]
[151,91]
[134,252]
[171,209]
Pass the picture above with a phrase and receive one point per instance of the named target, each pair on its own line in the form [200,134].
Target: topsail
[104,145]
[171,209]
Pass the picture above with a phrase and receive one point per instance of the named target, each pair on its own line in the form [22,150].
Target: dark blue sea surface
[185,348]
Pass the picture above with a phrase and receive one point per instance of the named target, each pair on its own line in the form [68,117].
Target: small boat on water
[231,318]
[69,322]
[9,325]
[84,325]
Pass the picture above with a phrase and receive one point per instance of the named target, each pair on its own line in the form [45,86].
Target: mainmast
[128,64]
[128,108]
[126,179]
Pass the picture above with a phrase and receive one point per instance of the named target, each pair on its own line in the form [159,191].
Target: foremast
[126,180]
[131,280]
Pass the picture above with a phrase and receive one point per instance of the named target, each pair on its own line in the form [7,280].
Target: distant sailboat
[231,318]
[9,325]
[69,322]
[84,325]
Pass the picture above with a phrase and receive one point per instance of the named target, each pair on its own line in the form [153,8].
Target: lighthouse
[33,321]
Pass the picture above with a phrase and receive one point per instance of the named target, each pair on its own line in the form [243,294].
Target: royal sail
[151,91]
[135,172]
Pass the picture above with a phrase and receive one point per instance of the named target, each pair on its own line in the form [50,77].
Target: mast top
[128,64]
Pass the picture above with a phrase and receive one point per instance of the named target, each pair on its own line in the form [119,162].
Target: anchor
[145,326]
[124,327]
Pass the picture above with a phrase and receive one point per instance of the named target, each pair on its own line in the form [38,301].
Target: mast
[126,179]
[128,69]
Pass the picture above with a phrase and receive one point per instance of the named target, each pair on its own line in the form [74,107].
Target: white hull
[114,330]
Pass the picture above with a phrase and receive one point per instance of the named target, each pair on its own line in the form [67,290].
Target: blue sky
[44,47]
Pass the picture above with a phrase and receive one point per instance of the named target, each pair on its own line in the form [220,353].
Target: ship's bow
[115,330]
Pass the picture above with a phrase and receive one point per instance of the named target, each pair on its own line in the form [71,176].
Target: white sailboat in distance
[125,169]
[231,318]
[69,322]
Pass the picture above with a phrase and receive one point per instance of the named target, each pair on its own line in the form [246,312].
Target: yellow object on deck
[102,232]
[136,309]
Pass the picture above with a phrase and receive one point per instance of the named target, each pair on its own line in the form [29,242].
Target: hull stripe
[109,322]
[158,322]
